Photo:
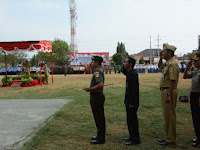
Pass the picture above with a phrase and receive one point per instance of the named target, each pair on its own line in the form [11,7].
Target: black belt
[162,88]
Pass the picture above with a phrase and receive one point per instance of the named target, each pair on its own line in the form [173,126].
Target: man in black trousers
[194,95]
[97,99]
[131,101]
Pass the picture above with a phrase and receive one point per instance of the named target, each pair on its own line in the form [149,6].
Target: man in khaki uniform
[46,73]
[27,68]
[169,94]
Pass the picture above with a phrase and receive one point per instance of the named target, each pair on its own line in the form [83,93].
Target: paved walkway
[20,118]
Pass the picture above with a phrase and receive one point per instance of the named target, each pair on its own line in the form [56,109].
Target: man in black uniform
[97,99]
[194,95]
[131,101]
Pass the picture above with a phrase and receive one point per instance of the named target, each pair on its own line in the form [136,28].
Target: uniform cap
[97,58]
[196,57]
[170,47]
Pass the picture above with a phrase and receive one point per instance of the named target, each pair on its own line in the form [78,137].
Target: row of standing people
[168,94]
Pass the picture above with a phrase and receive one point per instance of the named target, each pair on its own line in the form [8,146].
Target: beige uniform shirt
[46,71]
[170,72]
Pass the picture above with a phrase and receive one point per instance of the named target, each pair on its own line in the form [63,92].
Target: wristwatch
[168,94]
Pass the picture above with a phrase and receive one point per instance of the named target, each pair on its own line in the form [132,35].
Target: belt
[162,88]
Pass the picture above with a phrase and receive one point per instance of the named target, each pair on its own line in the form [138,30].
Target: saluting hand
[189,64]
[161,54]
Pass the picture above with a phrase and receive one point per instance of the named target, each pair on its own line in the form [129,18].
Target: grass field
[73,125]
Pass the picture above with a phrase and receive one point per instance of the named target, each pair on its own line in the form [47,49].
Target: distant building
[147,54]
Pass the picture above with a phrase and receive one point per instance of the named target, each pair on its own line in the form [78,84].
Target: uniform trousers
[169,115]
[46,79]
[97,104]
[132,122]
[195,109]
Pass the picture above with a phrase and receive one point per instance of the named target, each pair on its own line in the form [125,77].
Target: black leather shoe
[126,139]
[93,138]
[131,143]
[194,140]
[196,144]
[165,143]
[97,142]
[161,140]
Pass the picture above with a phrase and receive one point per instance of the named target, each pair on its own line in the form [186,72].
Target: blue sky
[102,23]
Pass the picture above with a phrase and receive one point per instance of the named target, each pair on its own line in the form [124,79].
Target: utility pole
[199,43]
[150,49]
[158,44]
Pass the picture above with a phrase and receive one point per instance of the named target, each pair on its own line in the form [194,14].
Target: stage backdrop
[85,58]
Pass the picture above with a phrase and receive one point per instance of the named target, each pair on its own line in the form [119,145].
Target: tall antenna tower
[73,17]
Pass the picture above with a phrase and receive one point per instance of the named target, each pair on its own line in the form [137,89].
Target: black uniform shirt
[132,88]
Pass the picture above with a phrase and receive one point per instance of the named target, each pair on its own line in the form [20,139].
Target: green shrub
[16,78]
[7,80]
[26,79]
[34,76]
[43,78]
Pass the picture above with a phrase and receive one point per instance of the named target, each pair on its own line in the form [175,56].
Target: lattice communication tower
[73,17]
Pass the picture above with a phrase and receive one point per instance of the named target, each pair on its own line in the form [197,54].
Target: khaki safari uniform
[46,74]
[170,72]
[97,100]
[27,69]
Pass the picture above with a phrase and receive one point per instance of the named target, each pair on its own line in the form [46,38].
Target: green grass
[73,125]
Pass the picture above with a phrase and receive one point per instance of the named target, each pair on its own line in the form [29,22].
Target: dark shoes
[126,139]
[97,142]
[161,140]
[131,143]
[195,143]
[93,138]
[165,143]
[194,140]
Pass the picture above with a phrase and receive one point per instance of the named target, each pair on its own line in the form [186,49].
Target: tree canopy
[191,55]
[60,52]
[120,55]
[118,58]
[13,59]
[121,49]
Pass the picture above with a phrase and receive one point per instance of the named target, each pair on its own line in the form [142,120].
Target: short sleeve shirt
[170,72]
[46,71]
[97,77]
[195,75]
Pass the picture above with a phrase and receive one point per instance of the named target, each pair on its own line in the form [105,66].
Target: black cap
[97,58]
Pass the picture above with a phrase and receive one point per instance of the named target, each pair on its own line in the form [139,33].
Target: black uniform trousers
[195,109]
[132,122]
[97,104]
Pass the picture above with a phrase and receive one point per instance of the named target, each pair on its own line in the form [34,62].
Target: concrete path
[20,118]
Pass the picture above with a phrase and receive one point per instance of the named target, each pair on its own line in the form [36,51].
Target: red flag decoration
[22,46]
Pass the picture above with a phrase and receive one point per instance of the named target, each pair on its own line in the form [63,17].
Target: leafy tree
[121,49]
[118,58]
[34,60]
[60,52]
[191,55]
[13,58]
[141,61]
